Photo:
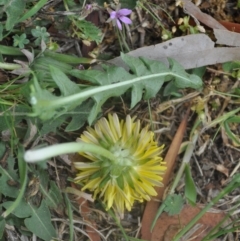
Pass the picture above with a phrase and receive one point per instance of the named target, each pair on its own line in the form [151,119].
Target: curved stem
[64,148]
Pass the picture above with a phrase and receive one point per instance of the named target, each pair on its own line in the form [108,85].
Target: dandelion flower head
[134,172]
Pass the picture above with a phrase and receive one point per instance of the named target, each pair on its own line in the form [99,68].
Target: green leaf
[66,86]
[2,226]
[173,204]
[159,212]
[231,66]
[190,189]
[40,222]
[1,32]
[234,138]
[200,71]
[41,34]
[171,89]
[79,116]
[182,78]
[87,30]
[14,9]
[146,80]
[12,115]
[2,149]
[53,197]
[131,4]
[37,6]
[23,180]
[8,174]
[21,211]
[20,41]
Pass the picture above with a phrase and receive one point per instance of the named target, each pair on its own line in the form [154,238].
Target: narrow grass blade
[33,10]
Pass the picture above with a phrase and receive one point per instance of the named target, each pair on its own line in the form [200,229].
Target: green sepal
[116,171]
[134,174]
[104,181]
[128,178]
[120,181]
[95,175]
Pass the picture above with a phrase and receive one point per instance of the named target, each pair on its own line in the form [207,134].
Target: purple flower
[88,6]
[120,16]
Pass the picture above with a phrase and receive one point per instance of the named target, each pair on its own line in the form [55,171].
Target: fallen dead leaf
[227,38]
[190,51]
[168,226]
[234,27]
[222,169]
[85,212]
[191,9]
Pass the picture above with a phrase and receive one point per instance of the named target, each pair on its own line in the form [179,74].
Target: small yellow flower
[137,166]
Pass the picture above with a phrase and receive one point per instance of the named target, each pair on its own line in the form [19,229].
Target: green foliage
[41,34]
[20,41]
[22,210]
[232,121]
[76,119]
[37,219]
[190,189]
[12,115]
[40,222]
[173,204]
[37,6]
[228,189]
[14,9]
[130,4]
[2,226]
[233,68]
[86,30]
[186,27]
[145,80]
[8,175]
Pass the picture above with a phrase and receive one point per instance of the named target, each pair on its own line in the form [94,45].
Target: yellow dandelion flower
[134,172]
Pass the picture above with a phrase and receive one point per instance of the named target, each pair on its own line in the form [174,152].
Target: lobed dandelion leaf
[144,80]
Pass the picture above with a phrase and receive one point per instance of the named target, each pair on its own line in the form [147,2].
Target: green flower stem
[233,185]
[91,92]
[141,5]
[186,158]
[64,148]
[122,39]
